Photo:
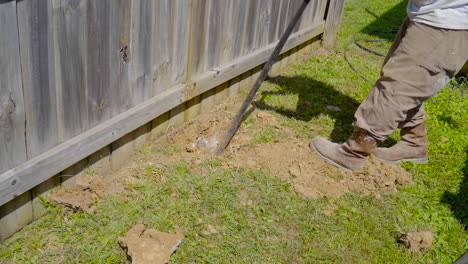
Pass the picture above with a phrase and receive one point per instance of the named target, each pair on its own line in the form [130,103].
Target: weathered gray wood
[199,27]
[70,46]
[159,125]
[102,60]
[121,151]
[37,68]
[99,161]
[241,28]
[237,67]
[41,192]
[263,23]
[252,22]
[275,13]
[141,51]
[192,108]
[32,172]
[43,166]
[12,116]
[15,214]
[121,96]
[213,45]
[162,47]
[181,12]
[333,20]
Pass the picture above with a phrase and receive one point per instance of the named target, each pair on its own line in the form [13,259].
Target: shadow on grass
[459,201]
[313,98]
[392,19]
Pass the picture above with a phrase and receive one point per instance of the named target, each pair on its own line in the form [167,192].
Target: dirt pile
[417,241]
[82,197]
[289,160]
[149,246]
[311,176]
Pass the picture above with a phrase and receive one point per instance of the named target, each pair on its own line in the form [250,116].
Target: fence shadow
[458,202]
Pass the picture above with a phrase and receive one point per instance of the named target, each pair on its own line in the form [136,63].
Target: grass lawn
[276,225]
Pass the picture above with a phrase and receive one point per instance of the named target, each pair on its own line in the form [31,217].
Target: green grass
[260,219]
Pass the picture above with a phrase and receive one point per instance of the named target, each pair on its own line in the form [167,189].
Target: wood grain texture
[333,20]
[181,15]
[15,214]
[199,27]
[37,68]
[70,45]
[12,113]
[162,63]
[141,50]
[82,132]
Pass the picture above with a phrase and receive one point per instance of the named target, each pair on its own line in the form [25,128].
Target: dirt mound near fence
[290,160]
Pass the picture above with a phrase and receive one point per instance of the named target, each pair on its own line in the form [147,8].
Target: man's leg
[422,64]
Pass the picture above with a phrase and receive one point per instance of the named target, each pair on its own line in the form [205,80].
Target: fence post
[332,23]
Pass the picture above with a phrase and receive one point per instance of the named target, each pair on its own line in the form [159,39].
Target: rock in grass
[149,246]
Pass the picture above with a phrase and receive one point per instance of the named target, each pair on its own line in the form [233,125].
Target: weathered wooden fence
[76,75]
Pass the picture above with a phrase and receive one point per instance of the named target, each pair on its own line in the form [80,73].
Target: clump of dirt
[82,197]
[149,246]
[417,241]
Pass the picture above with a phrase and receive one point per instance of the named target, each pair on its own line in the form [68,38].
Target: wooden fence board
[70,45]
[335,12]
[141,58]
[37,68]
[162,47]
[121,97]
[133,69]
[252,18]
[241,27]
[199,27]
[102,60]
[213,46]
[181,13]
[263,23]
[12,116]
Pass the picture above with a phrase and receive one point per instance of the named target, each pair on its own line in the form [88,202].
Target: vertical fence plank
[141,58]
[213,45]
[181,13]
[263,23]
[274,21]
[198,38]
[15,214]
[18,212]
[335,12]
[162,47]
[252,18]
[121,99]
[12,116]
[101,49]
[70,45]
[37,63]
[241,26]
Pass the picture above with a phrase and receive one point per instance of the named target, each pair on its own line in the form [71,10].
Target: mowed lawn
[276,225]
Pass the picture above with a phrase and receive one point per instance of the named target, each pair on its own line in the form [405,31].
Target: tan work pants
[420,62]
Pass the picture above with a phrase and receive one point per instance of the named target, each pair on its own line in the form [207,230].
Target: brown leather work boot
[349,156]
[412,147]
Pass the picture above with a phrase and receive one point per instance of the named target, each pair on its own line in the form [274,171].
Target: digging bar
[250,97]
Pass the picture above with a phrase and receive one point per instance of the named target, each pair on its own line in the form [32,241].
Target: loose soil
[417,241]
[289,159]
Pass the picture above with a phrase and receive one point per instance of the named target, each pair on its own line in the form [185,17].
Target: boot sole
[415,161]
[312,147]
